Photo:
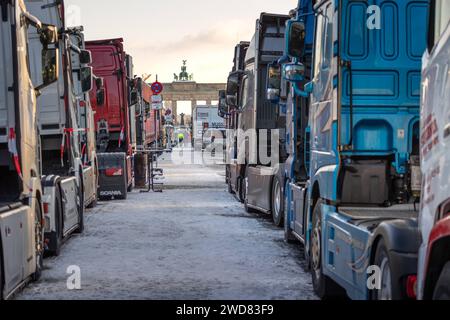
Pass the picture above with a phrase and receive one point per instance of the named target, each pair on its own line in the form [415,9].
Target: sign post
[157,103]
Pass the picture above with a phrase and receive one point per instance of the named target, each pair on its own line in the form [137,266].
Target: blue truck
[353,138]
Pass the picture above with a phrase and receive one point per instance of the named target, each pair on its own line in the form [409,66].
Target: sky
[160,34]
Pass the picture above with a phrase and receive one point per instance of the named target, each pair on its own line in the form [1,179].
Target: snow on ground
[194,241]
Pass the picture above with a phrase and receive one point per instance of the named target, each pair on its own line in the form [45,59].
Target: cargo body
[206,124]
[434,220]
[114,125]
[21,212]
[353,143]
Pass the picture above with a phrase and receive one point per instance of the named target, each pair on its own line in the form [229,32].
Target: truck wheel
[39,242]
[93,203]
[288,235]
[124,190]
[245,193]
[240,189]
[1,270]
[323,286]
[277,203]
[59,224]
[382,261]
[230,189]
[442,290]
[80,206]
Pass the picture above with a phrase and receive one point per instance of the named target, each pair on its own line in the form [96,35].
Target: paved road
[194,241]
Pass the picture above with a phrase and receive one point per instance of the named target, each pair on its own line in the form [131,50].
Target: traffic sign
[157,87]
[157,106]
[157,99]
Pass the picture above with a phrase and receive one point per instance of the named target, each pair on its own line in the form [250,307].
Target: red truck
[145,121]
[113,123]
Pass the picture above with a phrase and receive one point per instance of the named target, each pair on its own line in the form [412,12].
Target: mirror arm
[285,58]
[299,92]
[75,49]
[32,20]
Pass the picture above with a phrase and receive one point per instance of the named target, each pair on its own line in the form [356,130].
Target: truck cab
[434,220]
[21,196]
[261,128]
[80,60]
[358,208]
[229,108]
[115,135]
[60,138]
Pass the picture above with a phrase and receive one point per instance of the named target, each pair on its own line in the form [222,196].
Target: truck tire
[244,184]
[59,224]
[288,235]
[125,187]
[93,204]
[240,189]
[383,262]
[277,206]
[230,189]
[80,205]
[39,242]
[442,289]
[124,195]
[323,285]
[1,270]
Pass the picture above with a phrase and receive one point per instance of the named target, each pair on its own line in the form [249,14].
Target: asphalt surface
[193,241]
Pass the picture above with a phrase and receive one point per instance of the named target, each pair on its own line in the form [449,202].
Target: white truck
[61,158]
[207,126]
[80,59]
[434,219]
[21,197]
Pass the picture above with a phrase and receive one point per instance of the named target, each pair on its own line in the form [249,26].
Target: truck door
[321,98]
[51,105]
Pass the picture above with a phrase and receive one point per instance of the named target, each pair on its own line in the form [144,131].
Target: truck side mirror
[100,97]
[274,83]
[49,34]
[232,100]
[294,72]
[85,57]
[86,79]
[223,107]
[50,67]
[99,83]
[233,84]
[295,40]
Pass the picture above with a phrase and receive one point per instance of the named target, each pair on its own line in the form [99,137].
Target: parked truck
[21,194]
[207,123]
[114,126]
[59,129]
[356,206]
[261,127]
[434,221]
[79,62]
[230,113]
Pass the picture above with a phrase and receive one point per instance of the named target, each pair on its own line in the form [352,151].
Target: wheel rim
[385,292]
[316,249]
[277,200]
[245,188]
[39,247]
